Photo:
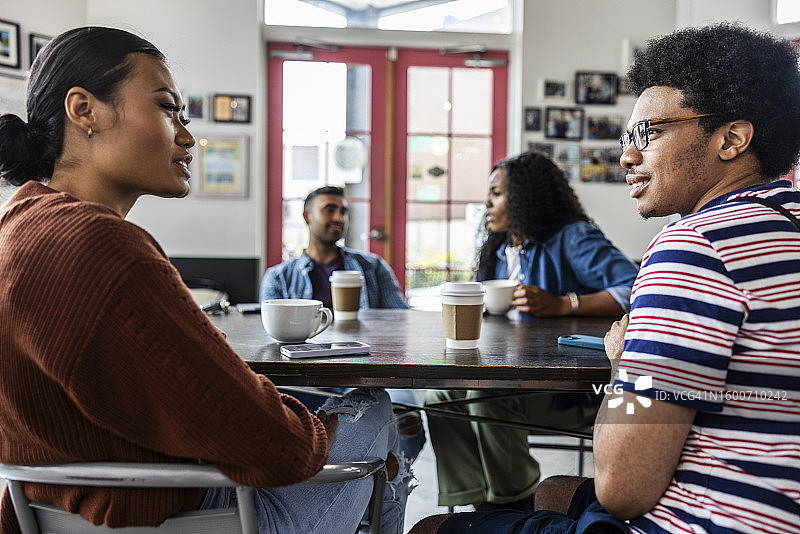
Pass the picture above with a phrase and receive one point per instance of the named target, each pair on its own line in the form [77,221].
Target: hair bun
[19,150]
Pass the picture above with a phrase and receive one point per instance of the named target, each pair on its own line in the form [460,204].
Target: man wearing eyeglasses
[705,434]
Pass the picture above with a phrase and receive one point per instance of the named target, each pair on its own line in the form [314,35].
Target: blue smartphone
[579,340]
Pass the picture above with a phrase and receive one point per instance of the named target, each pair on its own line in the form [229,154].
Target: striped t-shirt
[715,321]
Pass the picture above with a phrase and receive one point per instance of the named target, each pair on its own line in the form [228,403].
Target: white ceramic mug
[294,320]
[499,294]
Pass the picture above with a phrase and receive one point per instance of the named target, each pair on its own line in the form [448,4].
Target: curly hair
[737,74]
[539,202]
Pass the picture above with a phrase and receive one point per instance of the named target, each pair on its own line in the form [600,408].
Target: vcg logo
[642,383]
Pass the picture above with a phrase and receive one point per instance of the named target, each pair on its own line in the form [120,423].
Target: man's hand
[535,300]
[615,338]
[330,426]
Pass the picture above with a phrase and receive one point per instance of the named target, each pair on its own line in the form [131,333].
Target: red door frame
[432,58]
[377,59]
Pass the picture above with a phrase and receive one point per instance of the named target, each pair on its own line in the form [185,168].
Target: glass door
[324,128]
[450,130]
[412,138]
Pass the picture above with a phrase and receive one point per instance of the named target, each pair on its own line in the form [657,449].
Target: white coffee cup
[346,293]
[499,294]
[462,314]
[294,320]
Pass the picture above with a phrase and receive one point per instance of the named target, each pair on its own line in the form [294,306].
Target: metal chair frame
[36,518]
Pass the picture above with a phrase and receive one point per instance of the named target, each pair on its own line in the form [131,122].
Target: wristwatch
[573,302]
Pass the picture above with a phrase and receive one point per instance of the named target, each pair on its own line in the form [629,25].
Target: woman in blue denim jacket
[539,235]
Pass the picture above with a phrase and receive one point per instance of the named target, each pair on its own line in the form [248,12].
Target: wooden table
[408,351]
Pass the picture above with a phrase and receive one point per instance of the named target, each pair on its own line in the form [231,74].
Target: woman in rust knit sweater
[104,356]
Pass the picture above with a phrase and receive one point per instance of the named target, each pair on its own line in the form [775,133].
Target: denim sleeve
[600,265]
[389,289]
[273,285]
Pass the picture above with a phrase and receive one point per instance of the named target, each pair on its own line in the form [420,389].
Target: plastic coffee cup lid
[346,276]
[463,288]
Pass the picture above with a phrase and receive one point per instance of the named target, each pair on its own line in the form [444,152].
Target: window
[476,16]
[787,11]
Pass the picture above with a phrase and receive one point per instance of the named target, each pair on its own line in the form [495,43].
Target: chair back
[37,518]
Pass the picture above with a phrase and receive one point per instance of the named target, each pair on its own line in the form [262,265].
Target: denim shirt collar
[307,264]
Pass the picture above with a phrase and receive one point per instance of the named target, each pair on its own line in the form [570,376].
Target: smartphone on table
[580,340]
[317,350]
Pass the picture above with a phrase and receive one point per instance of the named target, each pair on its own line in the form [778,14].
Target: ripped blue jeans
[366,428]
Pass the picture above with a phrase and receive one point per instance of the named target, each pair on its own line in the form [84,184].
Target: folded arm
[636,454]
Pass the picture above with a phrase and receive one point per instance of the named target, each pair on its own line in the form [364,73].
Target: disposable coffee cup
[462,314]
[346,292]
[499,294]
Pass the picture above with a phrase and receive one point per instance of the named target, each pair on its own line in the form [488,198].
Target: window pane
[359,97]
[464,241]
[295,231]
[427,168]
[426,241]
[787,11]
[326,141]
[299,13]
[479,16]
[314,96]
[357,225]
[472,164]
[472,101]
[428,100]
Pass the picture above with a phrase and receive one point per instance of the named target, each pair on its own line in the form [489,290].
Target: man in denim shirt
[325,211]
[308,277]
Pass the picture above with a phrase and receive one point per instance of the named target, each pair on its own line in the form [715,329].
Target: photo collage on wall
[571,125]
[584,163]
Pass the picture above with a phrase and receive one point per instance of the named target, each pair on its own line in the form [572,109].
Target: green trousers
[479,462]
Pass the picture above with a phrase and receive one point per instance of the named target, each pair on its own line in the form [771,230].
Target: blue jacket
[290,280]
[577,258]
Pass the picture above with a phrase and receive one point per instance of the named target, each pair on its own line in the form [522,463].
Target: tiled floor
[422,501]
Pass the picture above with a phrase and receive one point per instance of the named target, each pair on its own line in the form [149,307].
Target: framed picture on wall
[35,43]
[563,123]
[231,108]
[542,148]
[604,126]
[9,44]
[595,88]
[554,88]
[196,106]
[533,119]
[222,166]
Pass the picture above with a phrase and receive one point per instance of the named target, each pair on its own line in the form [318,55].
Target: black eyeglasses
[640,133]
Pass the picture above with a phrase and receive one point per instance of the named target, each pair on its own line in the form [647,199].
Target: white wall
[212,47]
[753,13]
[563,37]
[59,15]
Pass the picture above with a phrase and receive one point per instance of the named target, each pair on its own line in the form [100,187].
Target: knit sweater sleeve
[160,375]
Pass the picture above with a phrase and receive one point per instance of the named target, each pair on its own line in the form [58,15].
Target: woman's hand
[615,338]
[535,300]
[330,426]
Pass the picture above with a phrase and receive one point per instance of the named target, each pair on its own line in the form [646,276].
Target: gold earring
[89,133]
